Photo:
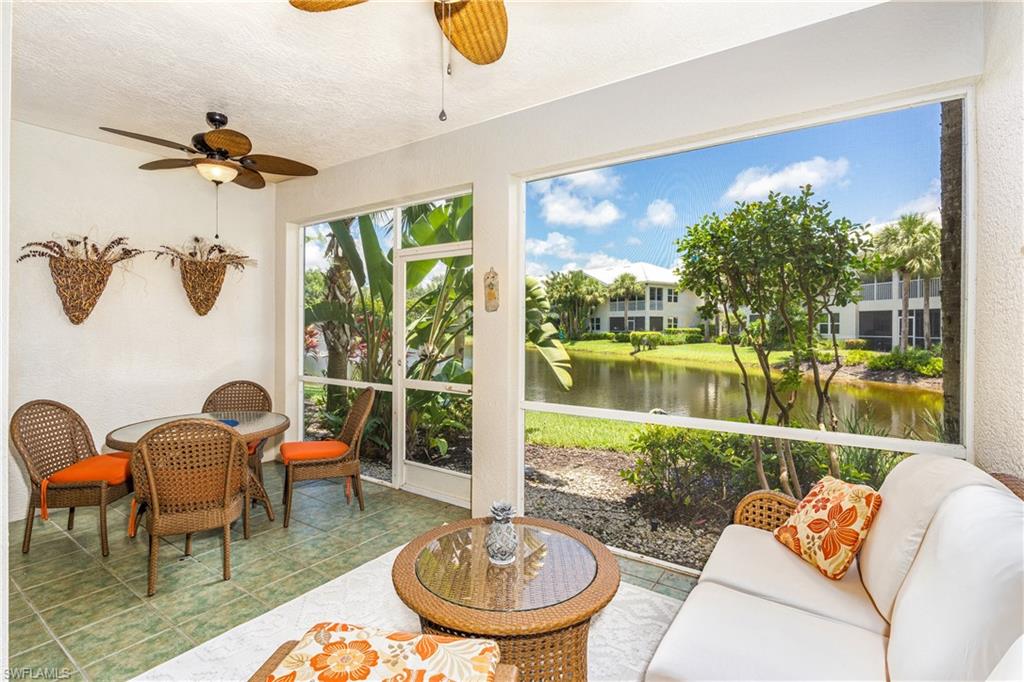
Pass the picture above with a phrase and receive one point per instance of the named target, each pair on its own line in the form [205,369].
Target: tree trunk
[926,313]
[905,310]
[951,173]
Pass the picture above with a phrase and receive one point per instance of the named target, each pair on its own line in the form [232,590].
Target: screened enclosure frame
[962,450]
[421,483]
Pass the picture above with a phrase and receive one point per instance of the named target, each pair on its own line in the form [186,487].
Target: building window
[595,324]
[823,325]
[616,305]
[656,295]
[673,296]
[673,323]
[636,302]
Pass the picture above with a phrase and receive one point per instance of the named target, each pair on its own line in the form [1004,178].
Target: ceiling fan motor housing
[216,119]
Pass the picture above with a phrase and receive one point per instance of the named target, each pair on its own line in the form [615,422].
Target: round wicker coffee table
[537,609]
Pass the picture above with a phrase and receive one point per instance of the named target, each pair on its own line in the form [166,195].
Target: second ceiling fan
[478,29]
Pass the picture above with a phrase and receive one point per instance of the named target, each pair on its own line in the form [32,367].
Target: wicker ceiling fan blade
[230,141]
[249,179]
[323,5]
[478,29]
[265,163]
[150,139]
[165,164]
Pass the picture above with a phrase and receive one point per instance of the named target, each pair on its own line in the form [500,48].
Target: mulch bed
[583,489]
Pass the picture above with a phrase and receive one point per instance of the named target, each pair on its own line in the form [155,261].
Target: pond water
[715,392]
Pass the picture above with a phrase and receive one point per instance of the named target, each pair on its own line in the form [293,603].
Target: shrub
[597,336]
[886,361]
[855,344]
[856,357]
[621,337]
[936,350]
[724,339]
[645,340]
[931,368]
[672,340]
[694,337]
[824,357]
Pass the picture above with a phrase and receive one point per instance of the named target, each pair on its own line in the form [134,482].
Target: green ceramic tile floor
[74,610]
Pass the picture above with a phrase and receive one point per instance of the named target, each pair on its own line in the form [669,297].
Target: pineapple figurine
[502,539]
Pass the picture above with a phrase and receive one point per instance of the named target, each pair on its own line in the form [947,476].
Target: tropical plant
[543,335]
[574,295]
[909,246]
[624,288]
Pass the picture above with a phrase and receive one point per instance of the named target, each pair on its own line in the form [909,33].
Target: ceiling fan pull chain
[216,232]
[446,64]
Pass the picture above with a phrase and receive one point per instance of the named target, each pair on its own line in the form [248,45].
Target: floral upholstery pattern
[830,525]
[340,652]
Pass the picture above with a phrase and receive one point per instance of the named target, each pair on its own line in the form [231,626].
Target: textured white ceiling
[331,87]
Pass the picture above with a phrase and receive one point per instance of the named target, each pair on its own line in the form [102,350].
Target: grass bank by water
[567,431]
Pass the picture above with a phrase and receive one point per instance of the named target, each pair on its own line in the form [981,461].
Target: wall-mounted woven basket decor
[202,282]
[80,270]
[202,266]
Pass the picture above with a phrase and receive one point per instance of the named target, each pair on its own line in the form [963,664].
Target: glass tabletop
[248,423]
[550,568]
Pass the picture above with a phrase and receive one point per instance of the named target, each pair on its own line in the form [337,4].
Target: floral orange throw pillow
[830,524]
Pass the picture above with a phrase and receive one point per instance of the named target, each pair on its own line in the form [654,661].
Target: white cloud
[599,182]
[577,200]
[555,244]
[928,202]
[603,260]
[660,213]
[756,182]
[534,269]
[634,241]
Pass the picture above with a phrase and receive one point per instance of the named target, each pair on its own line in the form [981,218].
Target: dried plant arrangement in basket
[80,269]
[203,265]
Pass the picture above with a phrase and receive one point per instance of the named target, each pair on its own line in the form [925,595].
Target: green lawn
[695,353]
[562,430]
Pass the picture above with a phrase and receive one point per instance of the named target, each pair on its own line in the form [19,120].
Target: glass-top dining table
[254,426]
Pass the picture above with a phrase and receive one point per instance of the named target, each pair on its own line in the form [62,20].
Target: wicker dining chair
[64,469]
[242,395]
[310,460]
[190,475]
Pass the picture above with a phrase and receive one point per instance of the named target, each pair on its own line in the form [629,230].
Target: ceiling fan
[222,156]
[478,29]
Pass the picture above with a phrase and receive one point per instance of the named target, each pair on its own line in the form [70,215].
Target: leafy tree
[784,258]
[574,296]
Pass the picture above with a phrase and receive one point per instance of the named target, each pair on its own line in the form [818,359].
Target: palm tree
[951,174]
[900,245]
[574,295]
[926,263]
[625,287]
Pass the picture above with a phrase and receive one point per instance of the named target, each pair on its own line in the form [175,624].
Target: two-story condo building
[661,305]
[875,318]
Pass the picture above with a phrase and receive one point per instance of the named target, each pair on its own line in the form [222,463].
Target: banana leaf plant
[355,314]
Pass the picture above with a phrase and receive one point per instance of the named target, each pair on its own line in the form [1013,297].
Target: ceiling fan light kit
[221,155]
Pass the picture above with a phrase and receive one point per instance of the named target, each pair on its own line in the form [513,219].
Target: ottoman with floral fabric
[341,652]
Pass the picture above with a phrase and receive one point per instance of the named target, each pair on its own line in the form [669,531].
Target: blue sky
[870,169]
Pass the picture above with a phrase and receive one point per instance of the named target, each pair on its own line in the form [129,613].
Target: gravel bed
[582,488]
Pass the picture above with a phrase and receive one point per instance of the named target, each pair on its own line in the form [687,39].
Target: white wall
[862,59]
[143,352]
[999,336]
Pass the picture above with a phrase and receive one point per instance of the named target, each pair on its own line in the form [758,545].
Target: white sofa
[937,592]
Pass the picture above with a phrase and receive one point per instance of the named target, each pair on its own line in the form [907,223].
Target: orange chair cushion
[124,455]
[252,447]
[110,468]
[313,449]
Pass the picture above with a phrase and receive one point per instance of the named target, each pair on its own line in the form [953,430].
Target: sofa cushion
[723,634]
[750,560]
[912,491]
[1011,667]
[960,608]
[337,652]
[829,525]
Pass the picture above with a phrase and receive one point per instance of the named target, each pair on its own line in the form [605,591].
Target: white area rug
[623,636]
